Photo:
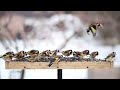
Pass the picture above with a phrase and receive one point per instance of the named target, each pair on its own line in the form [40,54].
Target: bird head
[99,25]
[23,53]
[12,53]
[114,53]
[70,51]
[86,52]
[96,53]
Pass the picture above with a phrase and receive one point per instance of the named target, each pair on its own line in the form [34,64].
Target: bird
[55,60]
[93,28]
[77,53]
[93,55]
[46,53]
[32,52]
[20,55]
[8,56]
[81,54]
[54,52]
[33,55]
[67,53]
[86,52]
[110,57]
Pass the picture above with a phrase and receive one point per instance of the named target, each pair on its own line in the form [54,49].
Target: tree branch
[66,41]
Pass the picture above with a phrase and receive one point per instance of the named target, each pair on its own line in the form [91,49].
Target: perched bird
[8,56]
[81,54]
[55,60]
[67,53]
[93,28]
[86,52]
[110,57]
[33,55]
[32,52]
[77,54]
[45,53]
[93,55]
[20,55]
[54,52]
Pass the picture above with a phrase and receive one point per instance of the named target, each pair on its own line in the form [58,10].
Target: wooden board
[60,65]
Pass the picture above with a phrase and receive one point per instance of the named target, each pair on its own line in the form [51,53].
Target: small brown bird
[93,55]
[81,54]
[56,60]
[20,55]
[54,52]
[67,53]
[110,57]
[33,52]
[45,53]
[86,52]
[8,56]
[93,28]
[77,54]
[33,55]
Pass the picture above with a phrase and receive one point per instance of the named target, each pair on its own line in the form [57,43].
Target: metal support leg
[59,73]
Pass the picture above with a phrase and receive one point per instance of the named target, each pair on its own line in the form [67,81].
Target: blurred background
[42,30]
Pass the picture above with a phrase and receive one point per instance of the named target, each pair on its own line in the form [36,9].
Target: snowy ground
[54,41]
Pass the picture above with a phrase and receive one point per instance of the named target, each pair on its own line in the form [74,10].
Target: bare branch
[66,41]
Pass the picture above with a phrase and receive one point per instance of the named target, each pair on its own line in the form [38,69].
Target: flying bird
[93,28]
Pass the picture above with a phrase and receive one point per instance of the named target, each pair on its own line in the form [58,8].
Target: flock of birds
[52,56]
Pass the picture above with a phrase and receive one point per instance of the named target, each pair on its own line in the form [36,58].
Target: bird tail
[50,64]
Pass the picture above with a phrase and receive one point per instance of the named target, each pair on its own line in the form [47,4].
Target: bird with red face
[111,57]
[93,28]
[93,55]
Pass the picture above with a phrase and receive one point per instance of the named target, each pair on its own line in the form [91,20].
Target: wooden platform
[60,65]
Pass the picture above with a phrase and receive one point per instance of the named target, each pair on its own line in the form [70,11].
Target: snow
[54,41]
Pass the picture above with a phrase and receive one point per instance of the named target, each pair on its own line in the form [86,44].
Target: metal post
[59,73]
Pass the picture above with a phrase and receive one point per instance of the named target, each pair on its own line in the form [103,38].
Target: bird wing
[93,30]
